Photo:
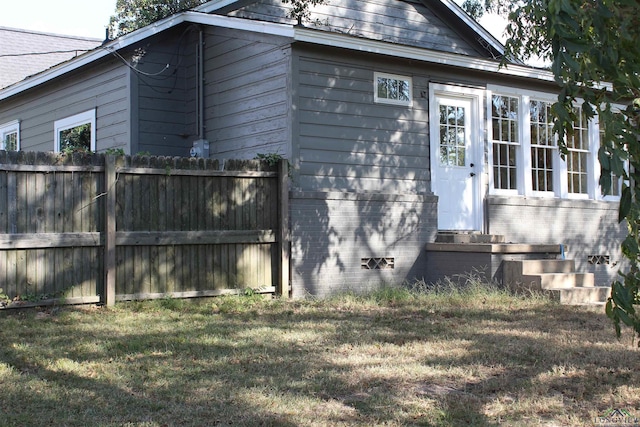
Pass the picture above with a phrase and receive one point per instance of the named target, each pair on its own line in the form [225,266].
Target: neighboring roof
[202,16]
[25,52]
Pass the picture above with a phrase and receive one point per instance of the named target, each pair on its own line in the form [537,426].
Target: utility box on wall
[200,148]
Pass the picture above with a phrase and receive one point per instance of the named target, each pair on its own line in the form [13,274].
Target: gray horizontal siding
[349,143]
[403,22]
[247,100]
[104,87]
[164,82]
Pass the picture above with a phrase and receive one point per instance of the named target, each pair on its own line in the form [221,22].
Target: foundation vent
[377,263]
[598,259]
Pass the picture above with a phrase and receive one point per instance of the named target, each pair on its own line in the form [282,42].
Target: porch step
[545,281]
[556,277]
[467,237]
[581,296]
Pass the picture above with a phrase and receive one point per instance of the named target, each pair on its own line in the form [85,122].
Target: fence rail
[95,228]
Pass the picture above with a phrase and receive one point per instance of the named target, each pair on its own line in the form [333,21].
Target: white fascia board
[419,54]
[214,5]
[284,30]
[122,42]
[486,35]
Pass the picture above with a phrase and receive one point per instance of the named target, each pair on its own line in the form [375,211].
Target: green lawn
[392,358]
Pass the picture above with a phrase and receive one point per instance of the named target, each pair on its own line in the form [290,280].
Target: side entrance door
[456,156]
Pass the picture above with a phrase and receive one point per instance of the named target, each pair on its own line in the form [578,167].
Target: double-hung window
[524,154]
[505,141]
[578,156]
[10,136]
[614,191]
[543,146]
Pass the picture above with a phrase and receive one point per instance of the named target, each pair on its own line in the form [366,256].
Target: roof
[204,15]
[25,52]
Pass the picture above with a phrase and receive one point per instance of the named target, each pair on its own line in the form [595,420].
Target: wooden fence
[98,229]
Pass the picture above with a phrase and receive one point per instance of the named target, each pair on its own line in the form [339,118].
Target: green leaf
[624,317]
[608,308]
[625,204]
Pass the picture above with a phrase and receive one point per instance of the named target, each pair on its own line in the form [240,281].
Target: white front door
[456,157]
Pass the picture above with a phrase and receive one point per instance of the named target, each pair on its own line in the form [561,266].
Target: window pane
[393,88]
[10,142]
[453,135]
[76,139]
[404,90]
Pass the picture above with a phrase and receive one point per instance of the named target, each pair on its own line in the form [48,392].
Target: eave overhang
[296,33]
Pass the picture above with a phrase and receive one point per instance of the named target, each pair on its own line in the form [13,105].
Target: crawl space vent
[377,263]
[598,259]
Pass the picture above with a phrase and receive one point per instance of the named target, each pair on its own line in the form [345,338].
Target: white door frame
[476,96]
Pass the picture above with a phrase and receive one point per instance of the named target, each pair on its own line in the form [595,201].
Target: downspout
[200,84]
[200,147]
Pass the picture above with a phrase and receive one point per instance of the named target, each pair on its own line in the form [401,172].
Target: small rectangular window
[10,136]
[76,133]
[392,89]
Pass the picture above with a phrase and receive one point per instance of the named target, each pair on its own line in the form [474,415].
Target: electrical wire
[128,64]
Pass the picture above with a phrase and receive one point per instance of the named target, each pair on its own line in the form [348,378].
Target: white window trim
[520,175]
[598,169]
[7,128]
[74,121]
[378,100]
[525,186]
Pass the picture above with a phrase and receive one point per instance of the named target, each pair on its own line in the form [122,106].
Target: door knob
[472,165]
[472,174]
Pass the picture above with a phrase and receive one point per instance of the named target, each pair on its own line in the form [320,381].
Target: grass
[446,357]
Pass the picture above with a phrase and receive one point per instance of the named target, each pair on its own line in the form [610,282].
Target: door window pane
[453,135]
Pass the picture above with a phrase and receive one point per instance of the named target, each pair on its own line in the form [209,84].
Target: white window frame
[608,197]
[519,148]
[86,117]
[379,100]
[558,162]
[523,157]
[7,129]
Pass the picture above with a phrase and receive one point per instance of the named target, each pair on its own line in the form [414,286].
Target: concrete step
[581,296]
[462,237]
[541,266]
[559,280]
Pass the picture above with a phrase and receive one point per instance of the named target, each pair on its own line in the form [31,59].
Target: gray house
[396,117]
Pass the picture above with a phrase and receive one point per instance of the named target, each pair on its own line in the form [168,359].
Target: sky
[89,18]
[86,18]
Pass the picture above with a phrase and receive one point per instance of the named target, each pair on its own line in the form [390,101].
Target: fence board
[4,207]
[83,227]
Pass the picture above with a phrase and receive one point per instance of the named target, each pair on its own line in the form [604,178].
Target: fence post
[109,294]
[284,237]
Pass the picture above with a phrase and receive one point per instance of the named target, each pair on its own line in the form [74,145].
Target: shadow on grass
[305,364]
